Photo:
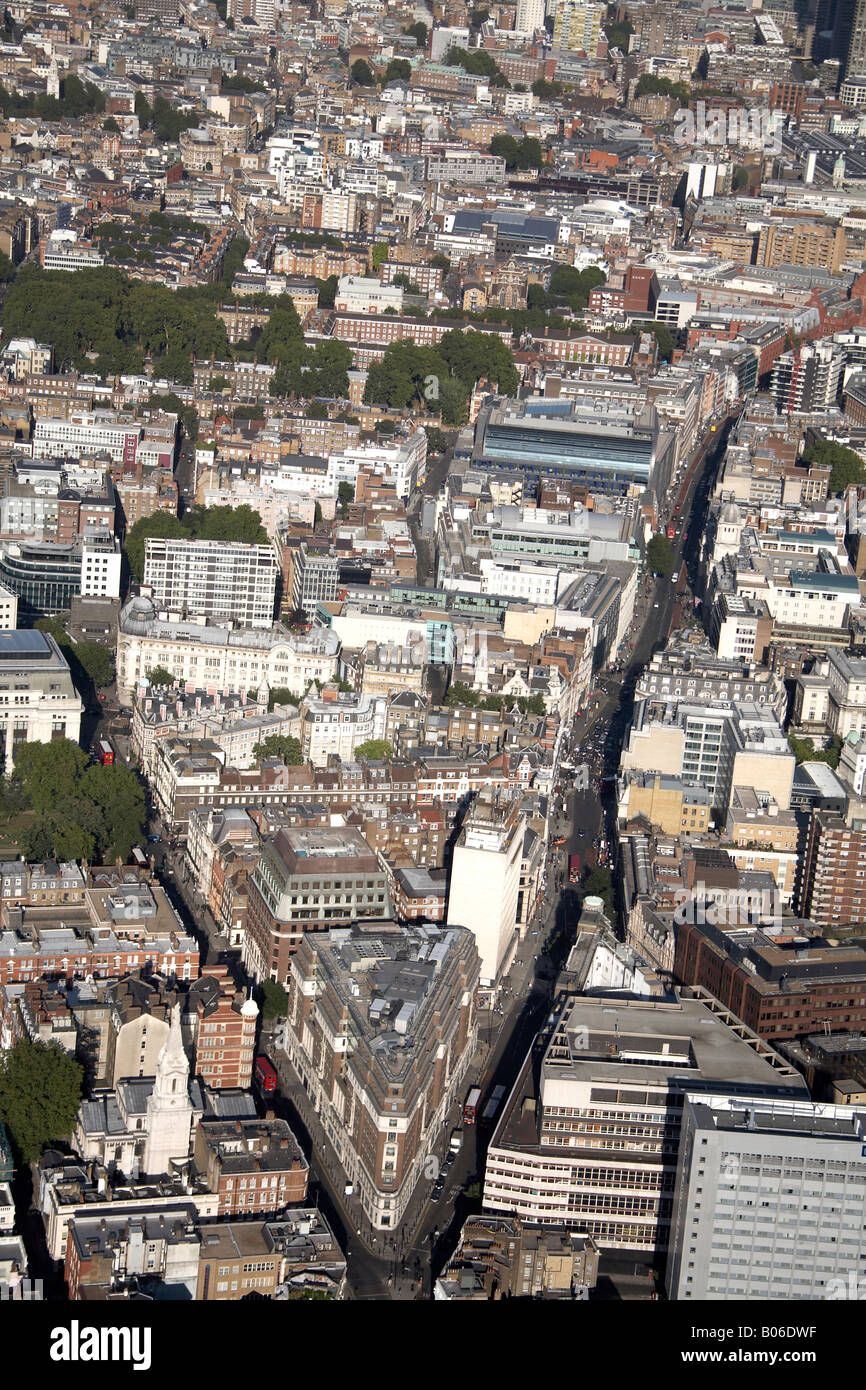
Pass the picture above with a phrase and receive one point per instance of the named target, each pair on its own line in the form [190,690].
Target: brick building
[381,1032]
[252,1165]
[781,986]
[225,1032]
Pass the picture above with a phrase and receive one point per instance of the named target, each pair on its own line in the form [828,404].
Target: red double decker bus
[266,1074]
[470,1105]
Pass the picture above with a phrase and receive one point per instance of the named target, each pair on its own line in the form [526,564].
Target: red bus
[139,856]
[266,1074]
[672,530]
[574,868]
[106,752]
[470,1105]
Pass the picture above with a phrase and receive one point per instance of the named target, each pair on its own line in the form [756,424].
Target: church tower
[169,1109]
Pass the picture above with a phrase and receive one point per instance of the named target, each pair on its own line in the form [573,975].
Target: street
[403,1264]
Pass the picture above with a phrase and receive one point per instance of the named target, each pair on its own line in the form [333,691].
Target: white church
[145,1127]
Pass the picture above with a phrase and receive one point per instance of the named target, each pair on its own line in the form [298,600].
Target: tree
[110,125]
[362,73]
[40,1091]
[374,750]
[345,495]
[804,750]
[280,746]
[49,772]
[660,555]
[664,338]
[275,1001]
[96,661]
[846,466]
[327,291]
[158,675]
[599,883]
[418,32]
[398,70]
[546,91]
[162,524]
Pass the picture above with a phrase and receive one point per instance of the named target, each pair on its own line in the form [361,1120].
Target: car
[154,839]
[437,1191]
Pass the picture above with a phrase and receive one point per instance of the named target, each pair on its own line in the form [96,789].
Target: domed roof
[137,615]
[250,1009]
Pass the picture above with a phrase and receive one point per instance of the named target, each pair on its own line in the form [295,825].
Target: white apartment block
[339,726]
[358,294]
[400,464]
[101,561]
[38,701]
[86,432]
[213,579]
[485,881]
[8,609]
[770,1200]
[530,16]
[219,657]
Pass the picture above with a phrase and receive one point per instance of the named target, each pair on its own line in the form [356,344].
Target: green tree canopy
[660,555]
[280,746]
[664,338]
[524,154]
[375,749]
[418,32]
[158,675]
[83,811]
[398,70]
[846,466]
[162,524]
[275,1001]
[362,73]
[40,1091]
[804,750]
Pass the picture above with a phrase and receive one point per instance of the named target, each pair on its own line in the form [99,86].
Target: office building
[485,879]
[612,445]
[782,981]
[381,1032]
[309,880]
[46,576]
[315,576]
[38,701]
[770,1200]
[588,1138]
[198,579]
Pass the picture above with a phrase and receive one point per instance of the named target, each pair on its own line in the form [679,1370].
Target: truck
[574,868]
[493,1104]
[470,1105]
[456,1142]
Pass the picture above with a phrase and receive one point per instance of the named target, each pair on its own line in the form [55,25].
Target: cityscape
[433,658]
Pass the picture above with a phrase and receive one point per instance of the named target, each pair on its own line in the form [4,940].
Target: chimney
[163,711]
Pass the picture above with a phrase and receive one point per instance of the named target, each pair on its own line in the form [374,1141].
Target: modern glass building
[605,445]
[44,576]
